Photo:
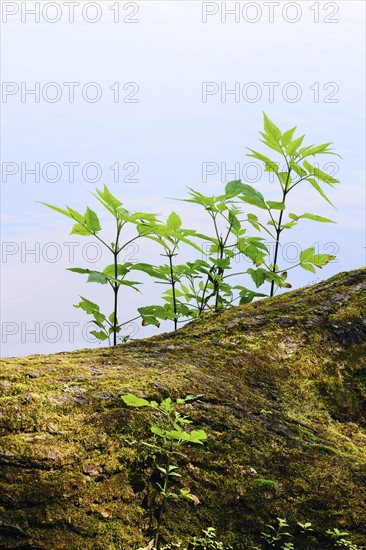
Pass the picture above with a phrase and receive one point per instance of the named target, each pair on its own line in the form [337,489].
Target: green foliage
[276,534]
[171,430]
[114,274]
[205,284]
[297,170]
[275,537]
[169,236]
[340,539]
[304,537]
[206,542]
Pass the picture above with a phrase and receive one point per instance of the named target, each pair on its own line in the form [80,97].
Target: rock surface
[284,386]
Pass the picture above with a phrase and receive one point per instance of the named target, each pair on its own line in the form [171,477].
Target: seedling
[172,431]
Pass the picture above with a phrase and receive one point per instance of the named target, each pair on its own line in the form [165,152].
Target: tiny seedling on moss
[171,429]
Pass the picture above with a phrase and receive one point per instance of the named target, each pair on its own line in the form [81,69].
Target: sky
[150,98]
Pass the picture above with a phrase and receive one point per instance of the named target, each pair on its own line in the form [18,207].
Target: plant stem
[116,285]
[166,480]
[278,230]
[115,290]
[172,282]
[220,273]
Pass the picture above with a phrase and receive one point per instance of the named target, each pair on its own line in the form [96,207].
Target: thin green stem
[128,243]
[165,488]
[172,282]
[103,242]
[279,227]
[116,284]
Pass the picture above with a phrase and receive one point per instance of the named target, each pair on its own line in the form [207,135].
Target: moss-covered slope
[283,383]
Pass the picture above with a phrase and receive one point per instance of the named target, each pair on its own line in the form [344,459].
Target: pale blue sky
[169,133]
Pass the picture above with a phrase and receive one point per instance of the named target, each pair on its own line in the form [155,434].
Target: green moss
[283,383]
[265,484]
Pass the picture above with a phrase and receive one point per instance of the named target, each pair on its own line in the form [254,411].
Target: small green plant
[207,541]
[169,236]
[114,274]
[340,539]
[228,241]
[304,536]
[172,431]
[295,170]
[276,535]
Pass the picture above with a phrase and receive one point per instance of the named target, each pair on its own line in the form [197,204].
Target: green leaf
[234,222]
[319,174]
[151,314]
[253,220]
[99,334]
[75,215]
[316,218]
[307,255]
[122,270]
[252,196]
[198,198]
[79,270]
[133,401]
[287,136]
[284,178]
[246,295]
[57,209]
[242,245]
[158,272]
[108,198]
[233,187]
[317,187]
[317,150]
[131,284]
[183,239]
[294,145]
[257,241]
[320,260]
[79,229]
[174,222]
[87,306]
[308,267]
[91,220]
[156,430]
[99,318]
[258,276]
[96,277]
[298,169]
[254,254]
[289,225]
[111,318]
[274,205]
[272,166]
[271,129]
[271,143]
[197,436]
